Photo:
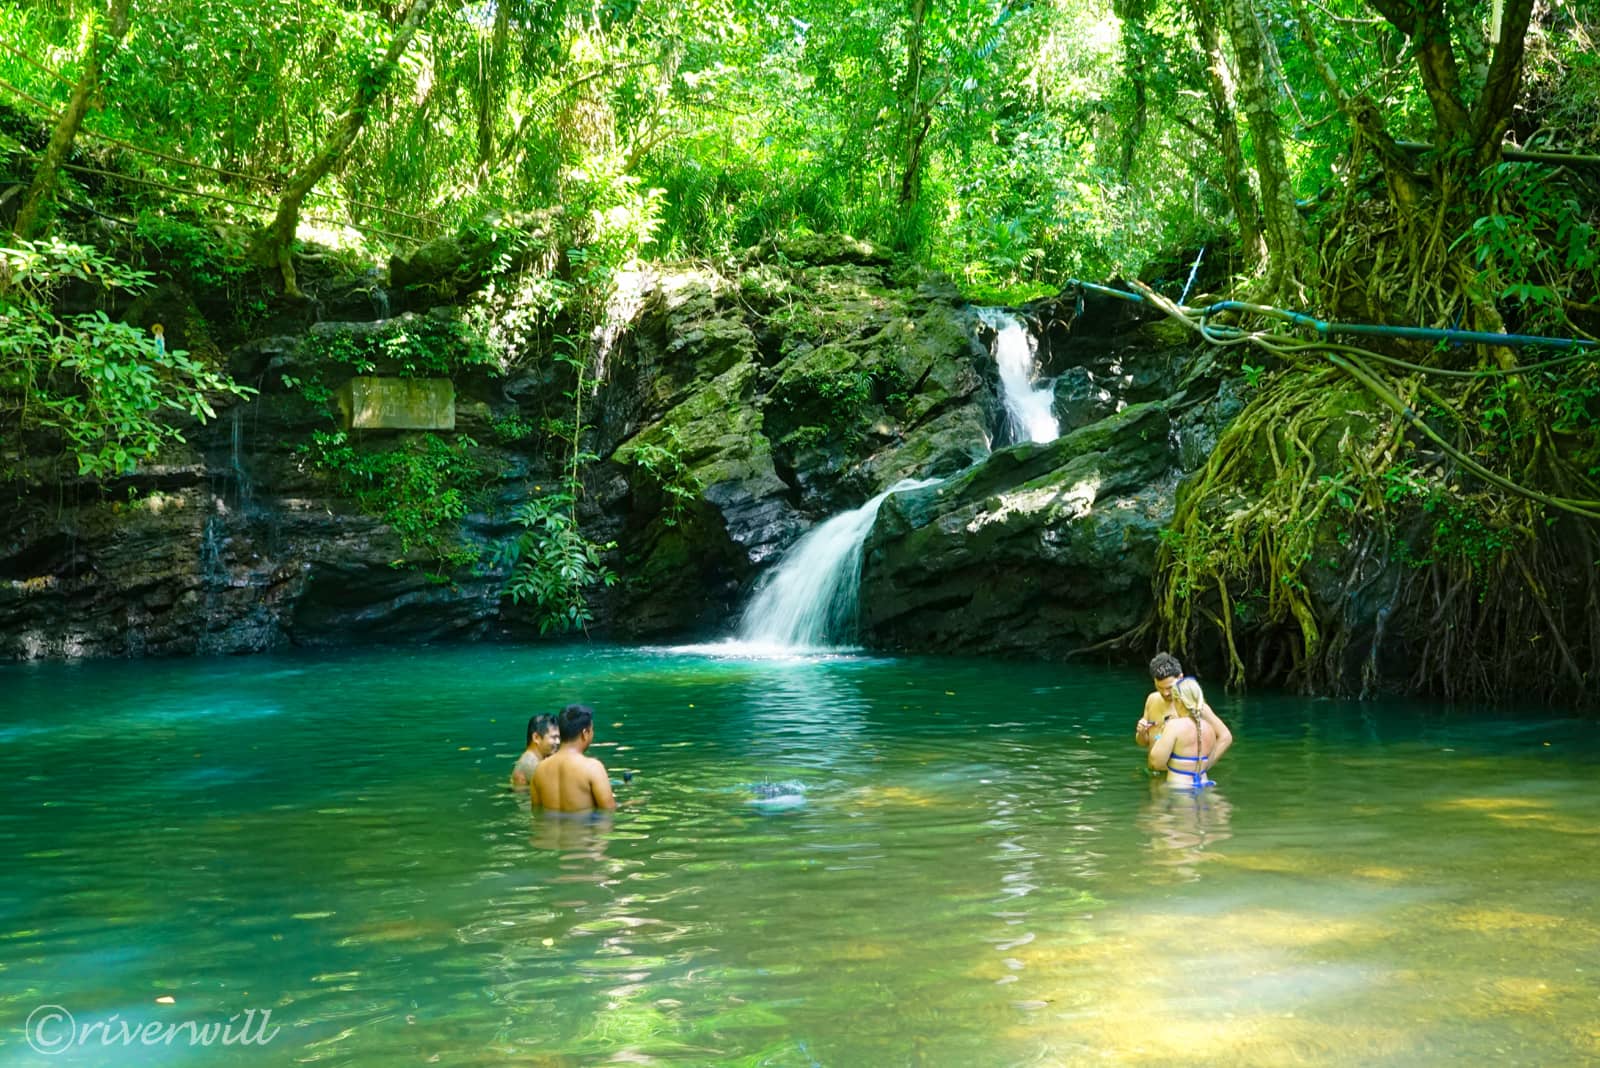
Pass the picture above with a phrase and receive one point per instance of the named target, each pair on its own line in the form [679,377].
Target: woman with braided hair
[1189,741]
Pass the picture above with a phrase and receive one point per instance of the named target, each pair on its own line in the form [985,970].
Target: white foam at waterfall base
[1027,408]
[809,602]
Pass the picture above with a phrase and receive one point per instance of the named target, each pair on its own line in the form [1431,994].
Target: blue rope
[1330,329]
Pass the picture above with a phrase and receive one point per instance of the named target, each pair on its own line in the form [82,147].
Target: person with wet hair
[543,739]
[1165,671]
[572,781]
[1190,741]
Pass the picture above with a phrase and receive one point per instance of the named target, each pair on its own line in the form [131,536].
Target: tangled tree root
[1348,532]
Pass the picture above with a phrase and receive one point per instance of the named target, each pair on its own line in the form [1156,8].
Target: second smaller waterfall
[810,599]
[1027,408]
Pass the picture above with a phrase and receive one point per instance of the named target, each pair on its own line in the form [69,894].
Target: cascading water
[810,600]
[213,571]
[1028,409]
[241,477]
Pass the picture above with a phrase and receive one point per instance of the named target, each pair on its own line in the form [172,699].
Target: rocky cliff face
[232,548]
[742,406]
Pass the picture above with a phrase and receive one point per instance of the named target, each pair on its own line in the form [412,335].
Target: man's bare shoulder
[522,772]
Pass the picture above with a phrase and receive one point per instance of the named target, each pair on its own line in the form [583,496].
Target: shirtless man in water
[1165,671]
[570,781]
[1178,725]
[543,738]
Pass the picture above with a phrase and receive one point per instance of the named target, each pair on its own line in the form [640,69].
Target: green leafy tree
[278,238]
[101,35]
[114,393]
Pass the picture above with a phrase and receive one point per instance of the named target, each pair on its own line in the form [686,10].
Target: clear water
[841,861]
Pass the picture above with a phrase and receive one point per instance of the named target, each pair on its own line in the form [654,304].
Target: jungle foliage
[1416,162]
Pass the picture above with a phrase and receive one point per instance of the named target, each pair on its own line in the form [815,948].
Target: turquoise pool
[969,868]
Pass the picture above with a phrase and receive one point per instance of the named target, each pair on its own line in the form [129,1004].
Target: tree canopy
[1005,142]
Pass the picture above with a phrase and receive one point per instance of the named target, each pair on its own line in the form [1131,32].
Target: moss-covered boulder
[1041,549]
[797,391]
[825,249]
[688,332]
[462,262]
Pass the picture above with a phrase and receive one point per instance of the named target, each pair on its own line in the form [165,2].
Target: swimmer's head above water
[1165,671]
[543,734]
[575,719]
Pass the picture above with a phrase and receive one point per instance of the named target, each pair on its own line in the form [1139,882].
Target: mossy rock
[1123,452]
[764,286]
[825,387]
[717,431]
[829,249]
[457,263]
[946,445]
[1040,549]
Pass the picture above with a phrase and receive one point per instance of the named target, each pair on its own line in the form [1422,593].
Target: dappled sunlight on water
[835,860]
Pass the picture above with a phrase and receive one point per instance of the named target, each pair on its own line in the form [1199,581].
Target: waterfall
[809,601]
[236,456]
[1027,409]
[213,573]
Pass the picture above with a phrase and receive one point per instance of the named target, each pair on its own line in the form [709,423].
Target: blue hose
[1327,329]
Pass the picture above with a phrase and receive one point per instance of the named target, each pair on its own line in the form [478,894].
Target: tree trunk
[490,73]
[1135,58]
[278,239]
[1467,132]
[1425,23]
[1285,240]
[98,45]
[1491,113]
[1225,117]
[1480,124]
[916,120]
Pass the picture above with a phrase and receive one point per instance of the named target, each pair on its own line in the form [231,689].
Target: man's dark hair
[575,719]
[1162,666]
[539,724]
